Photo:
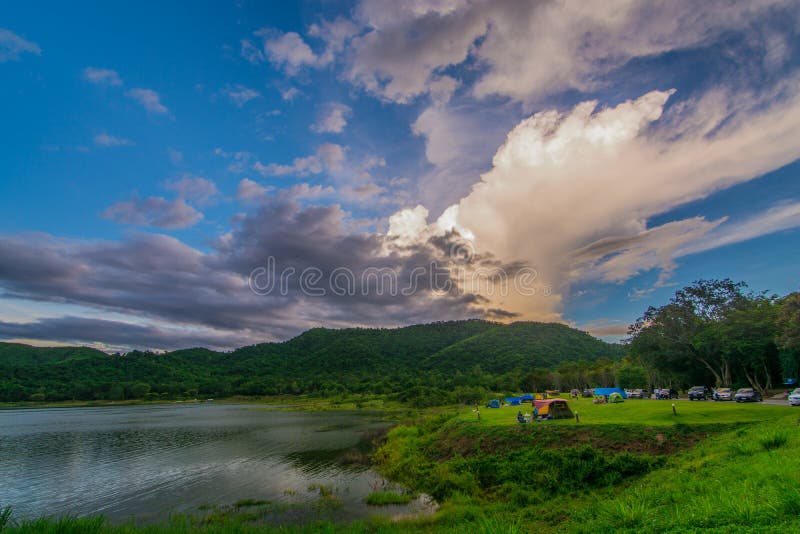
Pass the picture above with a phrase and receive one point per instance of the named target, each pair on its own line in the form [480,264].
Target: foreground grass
[631,467]
[746,480]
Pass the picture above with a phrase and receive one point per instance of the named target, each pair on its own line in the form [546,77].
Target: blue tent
[494,403]
[605,392]
[526,397]
[513,401]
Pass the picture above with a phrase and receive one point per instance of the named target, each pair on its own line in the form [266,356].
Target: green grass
[639,412]
[708,487]
[383,498]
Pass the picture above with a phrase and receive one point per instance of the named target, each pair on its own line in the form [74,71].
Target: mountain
[438,357]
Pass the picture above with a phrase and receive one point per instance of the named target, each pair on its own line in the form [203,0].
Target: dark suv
[698,393]
[748,395]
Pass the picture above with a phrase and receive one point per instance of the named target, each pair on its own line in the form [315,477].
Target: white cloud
[12,46]
[526,50]
[290,94]
[148,99]
[409,43]
[249,190]
[408,224]
[239,94]
[328,157]
[106,140]
[289,51]
[332,119]
[102,76]
[335,35]
[240,160]
[251,52]
[776,219]
[617,259]
[154,211]
[195,188]
[459,144]
[175,156]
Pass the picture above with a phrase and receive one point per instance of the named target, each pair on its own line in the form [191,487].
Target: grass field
[642,412]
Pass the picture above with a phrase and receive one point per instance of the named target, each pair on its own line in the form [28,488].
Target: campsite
[642,412]
[627,467]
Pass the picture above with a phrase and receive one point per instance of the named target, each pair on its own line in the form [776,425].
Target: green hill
[433,360]
[522,345]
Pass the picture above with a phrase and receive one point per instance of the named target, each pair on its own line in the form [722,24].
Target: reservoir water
[147,462]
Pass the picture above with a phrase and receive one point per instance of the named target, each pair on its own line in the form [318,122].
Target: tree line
[717,333]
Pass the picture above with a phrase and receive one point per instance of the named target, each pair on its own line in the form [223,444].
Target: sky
[221,174]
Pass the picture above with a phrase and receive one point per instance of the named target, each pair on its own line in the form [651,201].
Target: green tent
[615,397]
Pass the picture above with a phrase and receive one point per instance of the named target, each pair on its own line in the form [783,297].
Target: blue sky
[153,161]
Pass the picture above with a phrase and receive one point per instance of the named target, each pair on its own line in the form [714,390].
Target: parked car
[636,393]
[665,393]
[794,397]
[587,393]
[723,394]
[698,393]
[747,395]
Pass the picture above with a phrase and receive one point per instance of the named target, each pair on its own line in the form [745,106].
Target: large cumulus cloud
[571,192]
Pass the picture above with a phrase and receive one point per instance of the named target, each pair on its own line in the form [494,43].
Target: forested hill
[433,360]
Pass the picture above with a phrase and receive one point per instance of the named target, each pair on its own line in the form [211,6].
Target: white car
[723,394]
[794,397]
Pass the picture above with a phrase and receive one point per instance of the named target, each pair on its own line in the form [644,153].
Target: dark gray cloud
[332,276]
[112,334]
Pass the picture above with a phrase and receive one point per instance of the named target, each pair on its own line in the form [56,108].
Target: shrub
[774,440]
[5,517]
[738,448]
[383,498]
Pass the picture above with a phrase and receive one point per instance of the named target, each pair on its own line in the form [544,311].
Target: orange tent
[553,409]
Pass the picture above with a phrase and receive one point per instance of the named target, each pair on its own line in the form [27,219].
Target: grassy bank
[628,467]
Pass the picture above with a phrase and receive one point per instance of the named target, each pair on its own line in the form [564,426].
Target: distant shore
[282,402]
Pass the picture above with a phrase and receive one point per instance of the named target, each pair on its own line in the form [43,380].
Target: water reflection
[147,461]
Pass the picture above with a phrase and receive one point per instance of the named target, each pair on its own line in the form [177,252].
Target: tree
[748,337]
[630,376]
[684,333]
[537,380]
[788,334]
[139,390]
[116,392]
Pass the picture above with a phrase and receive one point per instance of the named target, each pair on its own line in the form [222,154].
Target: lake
[145,462]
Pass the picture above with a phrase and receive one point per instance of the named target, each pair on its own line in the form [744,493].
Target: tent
[513,401]
[526,397]
[615,397]
[605,392]
[494,403]
[553,409]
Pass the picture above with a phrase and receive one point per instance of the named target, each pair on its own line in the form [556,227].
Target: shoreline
[292,403]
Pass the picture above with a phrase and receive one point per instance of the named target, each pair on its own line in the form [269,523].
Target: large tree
[747,337]
[685,333]
[788,337]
